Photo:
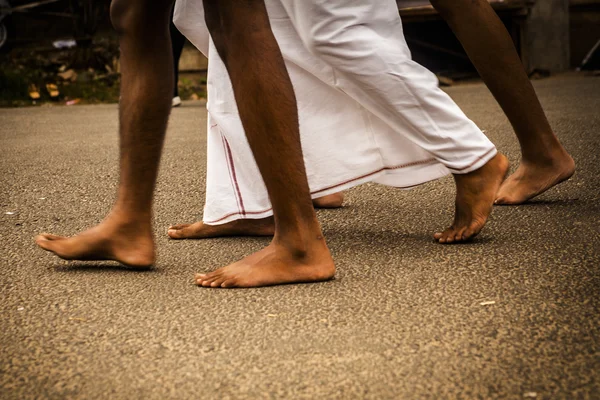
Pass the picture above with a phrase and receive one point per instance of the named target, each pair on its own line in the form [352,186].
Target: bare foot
[475,194]
[128,244]
[240,227]
[274,265]
[534,178]
[335,200]
[243,227]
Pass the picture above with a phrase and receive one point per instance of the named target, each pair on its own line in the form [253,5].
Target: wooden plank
[422,8]
[579,3]
[26,7]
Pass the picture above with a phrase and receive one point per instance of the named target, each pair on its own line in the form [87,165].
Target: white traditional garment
[367,112]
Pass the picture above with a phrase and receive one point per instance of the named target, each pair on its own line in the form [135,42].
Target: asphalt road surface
[514,314]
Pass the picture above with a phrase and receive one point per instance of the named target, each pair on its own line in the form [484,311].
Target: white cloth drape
[367,112]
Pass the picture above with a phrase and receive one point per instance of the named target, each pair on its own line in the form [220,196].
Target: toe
[211,282]
[206,280]
[177,231]
[446,236]
[48,242]
[460,234]
[472,231]
[48,236]
[174,233]
[508,196]
[506,201]
[203,282]
[228,283]
[199,278]
[218,282]
[178,226]
[44,244]
[501,200]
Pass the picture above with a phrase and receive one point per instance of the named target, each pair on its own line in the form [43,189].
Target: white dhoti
[367,112]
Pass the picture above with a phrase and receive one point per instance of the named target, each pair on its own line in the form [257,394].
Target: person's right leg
[125,235]
[545,162]
[363,43]
[267,107]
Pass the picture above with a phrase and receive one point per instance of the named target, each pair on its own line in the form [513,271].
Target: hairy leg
[125,235]
[545,162]
[267,107]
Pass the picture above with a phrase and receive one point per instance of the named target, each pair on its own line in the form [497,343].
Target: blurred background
[65,51]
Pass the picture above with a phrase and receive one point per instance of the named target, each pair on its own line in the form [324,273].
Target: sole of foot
[273,265]
[475,195]
[534,178]
[101,243]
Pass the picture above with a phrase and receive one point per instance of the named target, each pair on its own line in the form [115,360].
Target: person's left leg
[545,162]
[268,111]
[125,235]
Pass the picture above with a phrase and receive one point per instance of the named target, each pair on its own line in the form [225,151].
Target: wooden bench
[413,10]
[534,36]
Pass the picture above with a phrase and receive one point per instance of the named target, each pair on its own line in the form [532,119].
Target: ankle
[544,151]
[128,221]
[546,158]
[301,244]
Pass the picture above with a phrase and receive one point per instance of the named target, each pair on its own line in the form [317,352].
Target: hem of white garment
[480,162]
[405,178]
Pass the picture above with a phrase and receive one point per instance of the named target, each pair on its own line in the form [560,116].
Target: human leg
[267,108]
[545,162]
[125,235]
[363,43]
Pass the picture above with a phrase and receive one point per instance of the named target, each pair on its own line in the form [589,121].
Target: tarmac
[512,315]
